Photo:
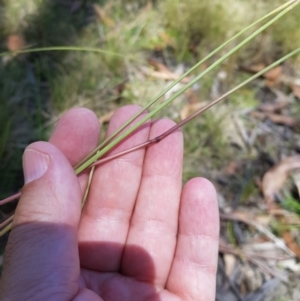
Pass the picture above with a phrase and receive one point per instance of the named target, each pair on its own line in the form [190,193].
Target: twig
[10,199]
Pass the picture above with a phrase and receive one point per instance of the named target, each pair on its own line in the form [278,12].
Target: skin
[140,236]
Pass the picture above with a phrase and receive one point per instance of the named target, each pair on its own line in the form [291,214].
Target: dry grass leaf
[162,75]
[102,15]
[15,42]
[230,262]
[275,178]
[163,72]
[289,218]
[264,220]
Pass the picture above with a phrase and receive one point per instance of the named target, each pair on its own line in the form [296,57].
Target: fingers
[107,213]
[44,231]
[76,134]
[155,219]
[193,272]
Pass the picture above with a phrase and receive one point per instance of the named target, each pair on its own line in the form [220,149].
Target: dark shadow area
[134,277]
[26,98]
[42,252]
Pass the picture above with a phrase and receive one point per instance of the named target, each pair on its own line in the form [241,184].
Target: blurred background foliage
[36,88]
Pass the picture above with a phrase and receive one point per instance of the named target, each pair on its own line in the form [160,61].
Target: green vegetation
[36,88]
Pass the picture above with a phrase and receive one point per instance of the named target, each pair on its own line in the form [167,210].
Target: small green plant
[291,204]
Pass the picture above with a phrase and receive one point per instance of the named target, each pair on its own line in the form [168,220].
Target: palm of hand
[140,236]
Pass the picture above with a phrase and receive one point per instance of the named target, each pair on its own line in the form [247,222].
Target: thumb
[51,192]
[41,256]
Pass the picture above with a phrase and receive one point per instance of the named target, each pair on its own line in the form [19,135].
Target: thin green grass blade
[200,111]
[64,48]
[168,101]
[113,135]
[278,62]
[247,81]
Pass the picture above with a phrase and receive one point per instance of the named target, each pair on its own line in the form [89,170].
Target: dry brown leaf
[282,119]
[276,118]
[102,15]
[232,168]
[258,115]
[291,243]
[273,74]
[296,90]
[188,109]
[254,68]
[106,118]
[15,42]
[275,178]
[273,107]
[192,96]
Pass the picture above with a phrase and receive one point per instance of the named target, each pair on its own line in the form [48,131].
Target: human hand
[140,235]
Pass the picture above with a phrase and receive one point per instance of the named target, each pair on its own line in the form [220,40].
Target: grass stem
[157,97]
[199,112]
[108,147]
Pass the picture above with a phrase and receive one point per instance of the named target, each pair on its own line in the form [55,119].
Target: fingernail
[35,164]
